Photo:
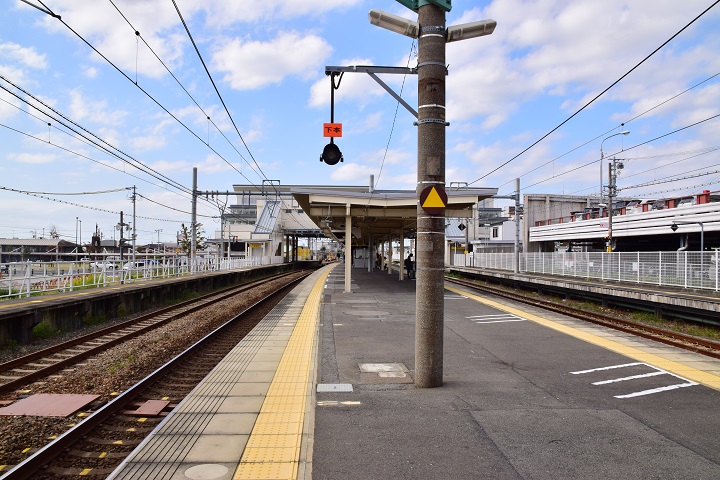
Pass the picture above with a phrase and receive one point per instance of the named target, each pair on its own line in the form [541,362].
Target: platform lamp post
[602,156]
[429,288]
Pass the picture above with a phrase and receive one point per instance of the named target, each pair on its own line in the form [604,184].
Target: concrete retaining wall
[71,311]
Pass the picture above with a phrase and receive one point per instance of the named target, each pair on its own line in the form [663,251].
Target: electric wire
[227,111]
[58,17]
[623,124]
[111,150]
[397,107]
[625,150]
[599,94]
[44,196]
[187,30]
[139,35]
[85,156]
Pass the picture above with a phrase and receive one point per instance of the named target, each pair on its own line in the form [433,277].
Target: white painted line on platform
[505,318]
[657,371]
[503,321]
[608,368]
[453,297]
[657,390]
[632,377]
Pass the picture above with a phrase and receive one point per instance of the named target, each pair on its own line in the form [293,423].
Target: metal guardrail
[683,269]
[23,279]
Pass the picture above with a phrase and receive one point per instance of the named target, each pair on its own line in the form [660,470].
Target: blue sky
[545,60]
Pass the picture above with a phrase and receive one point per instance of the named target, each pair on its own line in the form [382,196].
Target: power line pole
[430,283]
[193,222]
[134,227]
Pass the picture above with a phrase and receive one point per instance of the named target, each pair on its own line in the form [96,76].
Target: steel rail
[28,467]
[703,346]
[174,312]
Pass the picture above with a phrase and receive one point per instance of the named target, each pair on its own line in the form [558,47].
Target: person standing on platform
[409,265]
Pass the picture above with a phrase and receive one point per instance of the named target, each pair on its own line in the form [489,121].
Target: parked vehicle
[103,265]
[133,265]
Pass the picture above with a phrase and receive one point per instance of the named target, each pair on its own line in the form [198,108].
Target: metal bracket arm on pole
[370,70]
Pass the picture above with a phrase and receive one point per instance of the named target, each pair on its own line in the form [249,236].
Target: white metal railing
[678,269]
[22,279]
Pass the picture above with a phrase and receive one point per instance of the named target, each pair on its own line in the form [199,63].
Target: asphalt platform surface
[519,400]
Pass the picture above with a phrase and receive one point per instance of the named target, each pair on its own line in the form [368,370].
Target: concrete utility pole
[430,283]
[430,246]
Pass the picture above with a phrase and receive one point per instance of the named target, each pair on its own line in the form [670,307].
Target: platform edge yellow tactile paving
[678,368]
[273,449]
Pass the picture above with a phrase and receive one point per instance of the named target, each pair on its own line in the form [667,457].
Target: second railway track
[700,345]
[28,437]
[37,365]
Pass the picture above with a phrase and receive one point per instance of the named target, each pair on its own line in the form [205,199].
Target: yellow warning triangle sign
[433,200]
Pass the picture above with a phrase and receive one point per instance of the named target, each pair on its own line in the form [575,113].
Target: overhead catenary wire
[210,120]
[625,150]
[59,18]
[85,156]
[623,124]
[599,94]
[88,207]
[110,149]
[197,50]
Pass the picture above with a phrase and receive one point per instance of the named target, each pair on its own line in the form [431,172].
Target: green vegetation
[122,364]
[91,320]
[43,330]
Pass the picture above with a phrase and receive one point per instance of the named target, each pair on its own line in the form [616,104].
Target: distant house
[37,250]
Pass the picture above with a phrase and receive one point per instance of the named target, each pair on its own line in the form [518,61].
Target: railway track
[38,365]
[688,342]
[97,444]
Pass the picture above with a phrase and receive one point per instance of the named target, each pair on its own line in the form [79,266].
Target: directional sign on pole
[332,129]
[433,200]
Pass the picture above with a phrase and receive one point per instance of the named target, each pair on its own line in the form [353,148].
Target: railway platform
[323,388]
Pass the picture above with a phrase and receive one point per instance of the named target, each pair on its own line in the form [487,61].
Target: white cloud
[102,25]
[353,173]
[90,72]
[33,158]
[26,56]
[8,104]
[82,108]
[221,13]
[148,142]
[254,64]
[560,47]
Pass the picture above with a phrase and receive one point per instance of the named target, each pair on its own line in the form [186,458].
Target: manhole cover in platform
[375,373]
[334,387]
[49,405]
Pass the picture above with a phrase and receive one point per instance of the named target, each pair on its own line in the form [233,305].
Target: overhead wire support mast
[372,72]
[432,36]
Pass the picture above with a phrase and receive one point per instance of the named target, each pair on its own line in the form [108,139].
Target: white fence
[677,269]
[23,279]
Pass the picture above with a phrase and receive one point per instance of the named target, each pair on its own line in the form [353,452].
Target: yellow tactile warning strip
[273,449]
[678,368]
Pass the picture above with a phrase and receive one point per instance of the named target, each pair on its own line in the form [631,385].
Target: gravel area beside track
[115,370]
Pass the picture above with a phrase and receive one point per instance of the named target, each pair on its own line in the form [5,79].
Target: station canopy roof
[377,214]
